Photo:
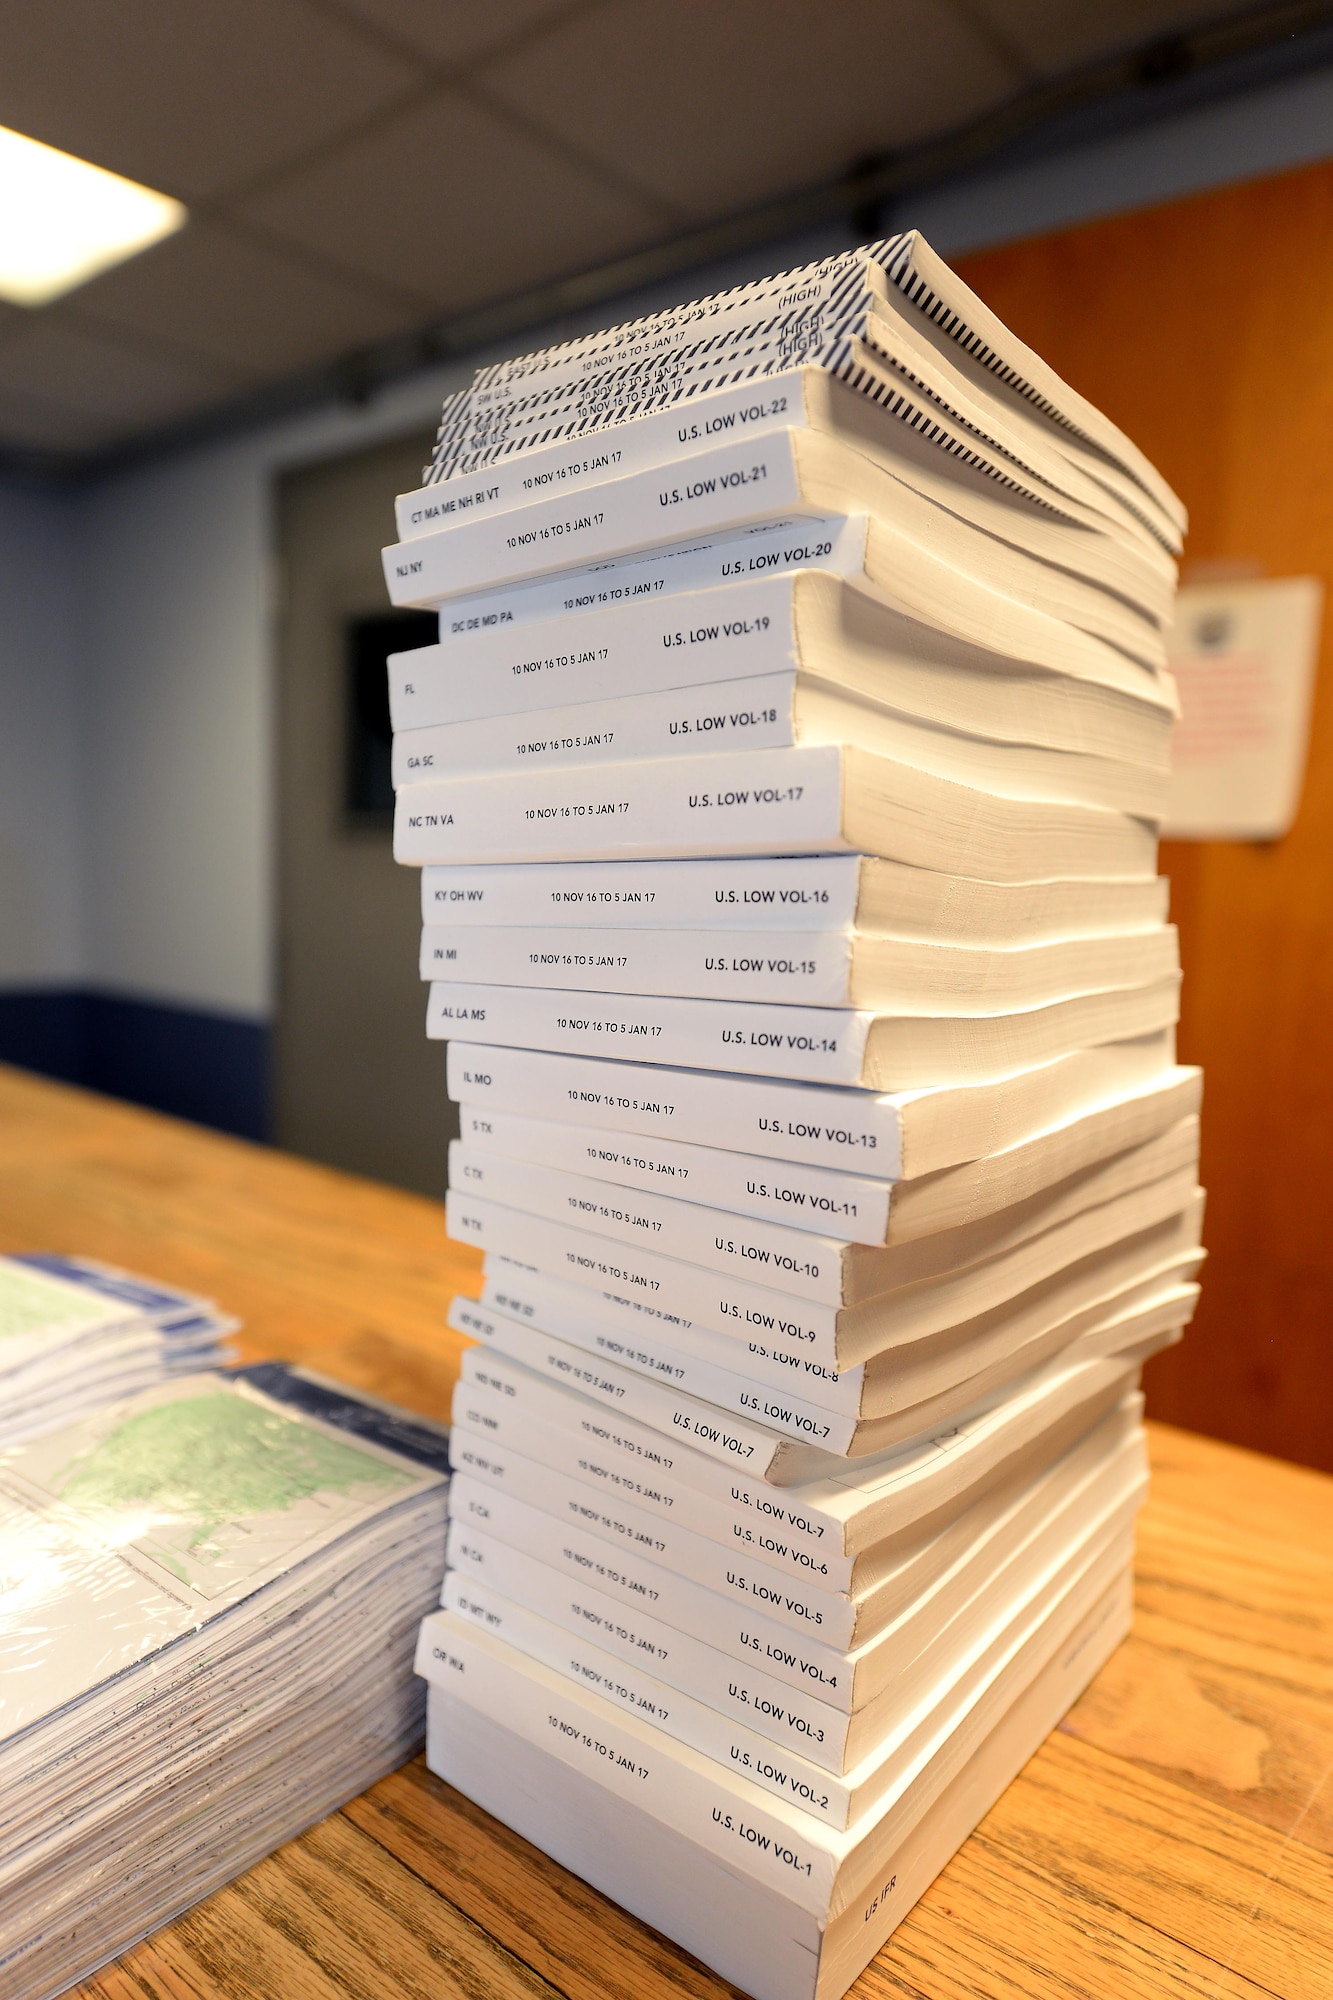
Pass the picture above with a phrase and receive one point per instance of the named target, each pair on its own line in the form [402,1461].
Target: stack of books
[209,1599]
[785,783]
[75,1333]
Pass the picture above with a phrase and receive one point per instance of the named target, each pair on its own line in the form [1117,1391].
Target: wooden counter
[1173,1840]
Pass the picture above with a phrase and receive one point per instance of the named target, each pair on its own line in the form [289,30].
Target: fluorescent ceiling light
[62,220]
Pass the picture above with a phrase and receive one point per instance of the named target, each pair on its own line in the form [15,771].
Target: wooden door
[1205,329]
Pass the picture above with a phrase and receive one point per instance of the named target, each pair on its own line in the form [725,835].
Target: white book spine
[707,493]
[792,893]
[1033,1556]
[742,631]
[566,399]
[833,1518]
[731,1440]
[833,542]
[791,1657]
[572,464]
[786,801]
[778,306]
[744,1930]
[741,802]
[765,712]
[523,1164]
[851,1208]
[737,1309]
[756,714]
[797,1044]
[769,1253]
[750,1520]
[776,968]
[929,1381]
[749,356]
[855,1130]
[541,420]
[808,1266]
[738,1688]
[896,1053]
[1035,1572]
[894,977]
[551,1711]
[685,1569]
[791,1393]
[748,1381]
[714,1735]
[954,1723]
[635,1451]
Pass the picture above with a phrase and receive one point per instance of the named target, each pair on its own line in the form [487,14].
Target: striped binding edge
[542,359]
[839,360]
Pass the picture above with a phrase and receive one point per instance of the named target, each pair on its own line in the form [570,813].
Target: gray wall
[136,622]
[43,816]
[1241,139]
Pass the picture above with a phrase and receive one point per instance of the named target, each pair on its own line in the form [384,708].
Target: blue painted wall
[212,1068]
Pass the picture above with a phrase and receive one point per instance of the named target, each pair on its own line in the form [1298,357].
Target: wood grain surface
[1205,329]
[1174,1840]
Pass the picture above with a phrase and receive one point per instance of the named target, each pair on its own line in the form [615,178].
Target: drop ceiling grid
[358,168]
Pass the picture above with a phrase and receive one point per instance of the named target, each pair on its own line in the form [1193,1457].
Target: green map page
[195,1467]
[30,1303]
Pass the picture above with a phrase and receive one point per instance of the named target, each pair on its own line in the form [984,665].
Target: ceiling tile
[1053,36]
[452,200]
[256,310]
[106,381]
[33,424]
[715,107]
[190,99]
[453,31]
